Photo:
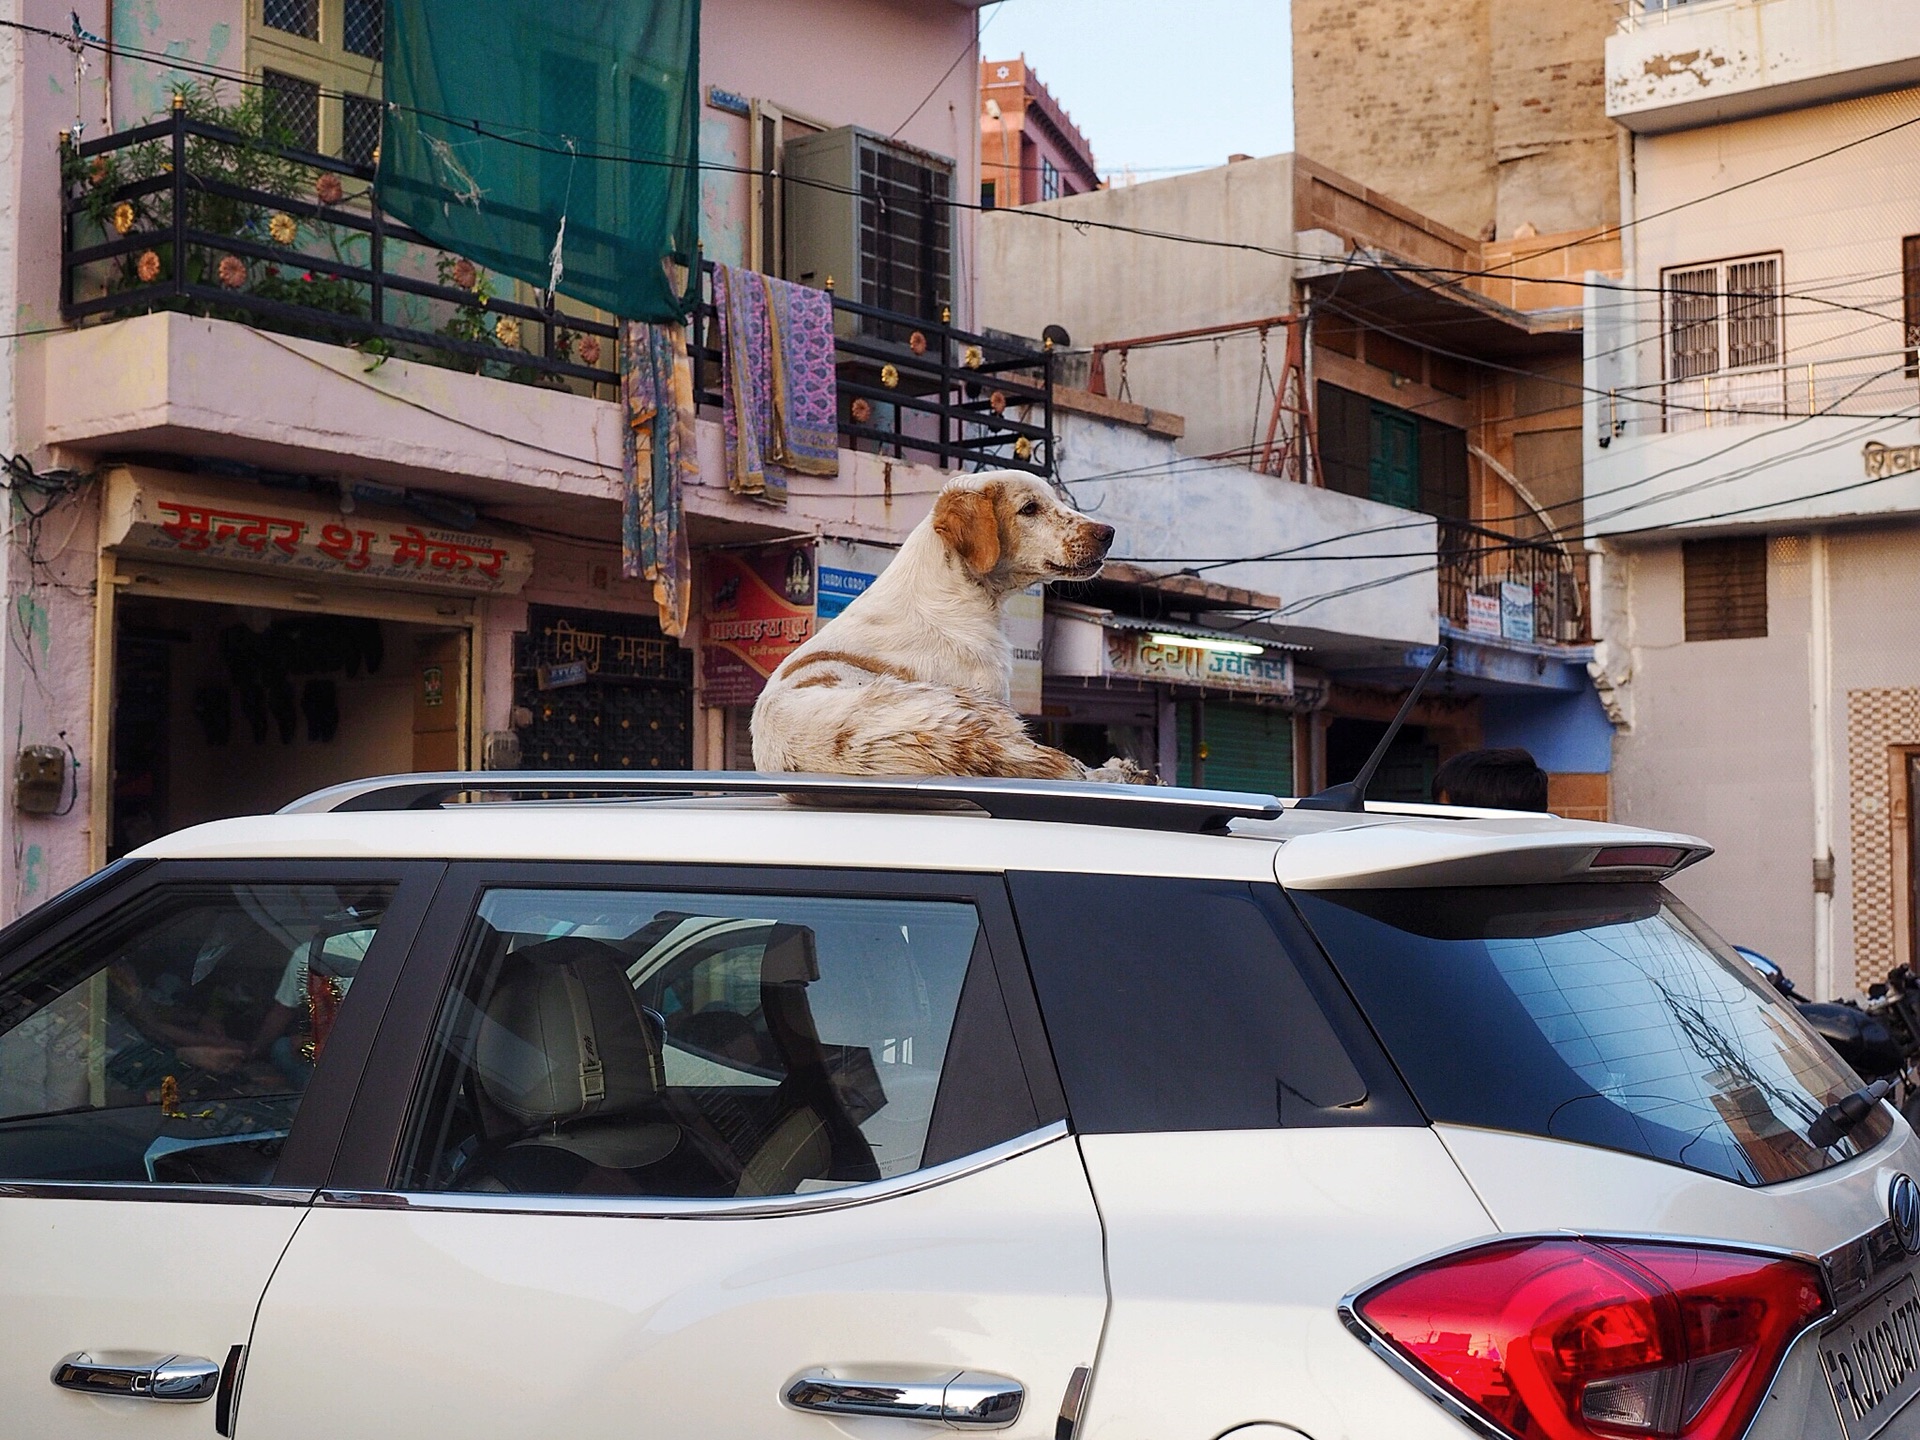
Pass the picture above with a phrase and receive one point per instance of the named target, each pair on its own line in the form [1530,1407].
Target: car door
[179,1045]
[740,1153]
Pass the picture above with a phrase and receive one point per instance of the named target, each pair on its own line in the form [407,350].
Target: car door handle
[967,1399]
[180,1378]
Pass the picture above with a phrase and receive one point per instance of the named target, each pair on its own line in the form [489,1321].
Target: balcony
[190,217]
[1528,591]
[1675,64]
[1848,387]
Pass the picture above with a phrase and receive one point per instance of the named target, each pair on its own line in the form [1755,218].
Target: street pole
[1820,686]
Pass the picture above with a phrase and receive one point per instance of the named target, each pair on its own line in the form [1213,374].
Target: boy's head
[1491,779]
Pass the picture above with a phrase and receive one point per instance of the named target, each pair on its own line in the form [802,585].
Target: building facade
[359,511]
[1344,350]
[1030,149]
[1752,469]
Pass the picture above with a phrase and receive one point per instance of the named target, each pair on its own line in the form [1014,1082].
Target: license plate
[1872,1359]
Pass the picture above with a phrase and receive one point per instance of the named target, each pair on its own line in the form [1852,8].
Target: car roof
[914,828]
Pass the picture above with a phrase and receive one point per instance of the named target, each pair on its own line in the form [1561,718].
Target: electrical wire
[1443,275]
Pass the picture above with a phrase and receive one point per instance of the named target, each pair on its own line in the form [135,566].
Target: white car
[788,1108]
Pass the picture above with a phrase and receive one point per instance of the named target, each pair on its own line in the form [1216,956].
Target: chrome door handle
[183,1378]
[967,1399]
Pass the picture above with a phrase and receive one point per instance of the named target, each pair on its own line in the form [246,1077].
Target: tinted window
[1175,1005]
[687,1045]
[1600,1014]
[172,1042]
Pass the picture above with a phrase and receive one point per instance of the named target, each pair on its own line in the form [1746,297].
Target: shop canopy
[540,139]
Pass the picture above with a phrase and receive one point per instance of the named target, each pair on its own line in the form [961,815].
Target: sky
[1158,85]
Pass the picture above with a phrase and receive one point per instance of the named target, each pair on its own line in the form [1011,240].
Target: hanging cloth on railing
[659,457]
[780,406]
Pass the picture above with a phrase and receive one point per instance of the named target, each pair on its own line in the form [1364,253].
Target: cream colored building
[1752,467]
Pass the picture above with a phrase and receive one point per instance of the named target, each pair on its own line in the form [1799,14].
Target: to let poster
[758,608]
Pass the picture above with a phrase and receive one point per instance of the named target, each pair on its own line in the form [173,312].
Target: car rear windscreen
[1601,1014]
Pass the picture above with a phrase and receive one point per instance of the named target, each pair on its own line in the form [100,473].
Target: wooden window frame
[325,62]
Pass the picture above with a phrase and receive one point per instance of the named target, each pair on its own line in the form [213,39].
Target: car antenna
[1352,794]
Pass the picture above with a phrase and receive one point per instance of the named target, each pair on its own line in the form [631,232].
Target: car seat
[568,1055]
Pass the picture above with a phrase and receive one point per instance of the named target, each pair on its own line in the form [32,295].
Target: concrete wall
[1171,511]
[1104,285]
[1485,114]
[1699,64]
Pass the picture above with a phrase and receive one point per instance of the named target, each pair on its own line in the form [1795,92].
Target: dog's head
[1009,529]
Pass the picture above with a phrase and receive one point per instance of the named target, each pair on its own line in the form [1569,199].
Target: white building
[1752,466]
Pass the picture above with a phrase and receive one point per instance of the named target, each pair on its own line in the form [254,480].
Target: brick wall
[1488,115]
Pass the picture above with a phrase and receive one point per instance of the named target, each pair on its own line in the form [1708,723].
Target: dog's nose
[1103,537]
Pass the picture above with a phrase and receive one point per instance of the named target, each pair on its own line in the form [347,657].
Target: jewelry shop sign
[188,520]
[1139,656]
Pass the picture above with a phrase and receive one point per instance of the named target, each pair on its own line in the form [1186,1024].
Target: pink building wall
[865,62]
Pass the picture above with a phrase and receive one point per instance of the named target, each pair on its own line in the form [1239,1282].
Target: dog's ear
[965,519]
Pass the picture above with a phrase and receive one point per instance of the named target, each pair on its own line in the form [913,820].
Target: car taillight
[1567,1339]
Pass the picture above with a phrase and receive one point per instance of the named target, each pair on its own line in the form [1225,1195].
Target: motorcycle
[1879,1039]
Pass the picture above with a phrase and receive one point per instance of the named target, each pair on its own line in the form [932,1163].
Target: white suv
[748,1108]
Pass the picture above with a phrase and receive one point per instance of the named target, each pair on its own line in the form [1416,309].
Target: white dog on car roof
[913,677]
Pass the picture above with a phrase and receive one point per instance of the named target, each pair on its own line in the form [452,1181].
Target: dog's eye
[1032,507]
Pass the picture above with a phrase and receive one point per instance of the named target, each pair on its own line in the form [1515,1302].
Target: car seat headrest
[565,1037]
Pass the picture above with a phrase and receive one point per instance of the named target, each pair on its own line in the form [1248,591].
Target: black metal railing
[1476,564]
[186,215]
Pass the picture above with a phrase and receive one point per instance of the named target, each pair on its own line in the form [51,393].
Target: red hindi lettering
[188,529]
[347,546]
[409,548]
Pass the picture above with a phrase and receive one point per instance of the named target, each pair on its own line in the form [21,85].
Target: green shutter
[1248,748]
[1394,458]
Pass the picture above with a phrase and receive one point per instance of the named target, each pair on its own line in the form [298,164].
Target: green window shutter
[1248,748]
[1394,458]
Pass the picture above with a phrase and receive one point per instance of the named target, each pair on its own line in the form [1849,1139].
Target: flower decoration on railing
[232,271]
[590,350]
[464,273]
[123,217]
[997,402]
[861,410]
[97,171]
[328,189]
[890,376]
[282,227]
[972,357]
[917,342]
[507,331]
[1023,448]
[148,267]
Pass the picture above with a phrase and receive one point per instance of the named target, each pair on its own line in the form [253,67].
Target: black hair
[1492,779]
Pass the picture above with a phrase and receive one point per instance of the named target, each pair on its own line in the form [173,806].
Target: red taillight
[1574,1339]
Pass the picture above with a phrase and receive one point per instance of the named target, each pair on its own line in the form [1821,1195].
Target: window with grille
[1723,317]
[1910,296]
[359,129]
[320,63]
[1049,180]
[292,109]
[906,234]
[1726,588]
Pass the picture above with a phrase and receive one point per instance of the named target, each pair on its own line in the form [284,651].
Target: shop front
[1199,707]
[253,643]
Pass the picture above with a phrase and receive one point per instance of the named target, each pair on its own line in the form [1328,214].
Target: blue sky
[1158,84]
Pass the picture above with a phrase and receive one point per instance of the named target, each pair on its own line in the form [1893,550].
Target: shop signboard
[759,608]
[846,569]
[1137,655]
[195,521]
[1516,610]
[1483,614]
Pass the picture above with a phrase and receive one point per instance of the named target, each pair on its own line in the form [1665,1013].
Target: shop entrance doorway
[1405,775]
[229,709]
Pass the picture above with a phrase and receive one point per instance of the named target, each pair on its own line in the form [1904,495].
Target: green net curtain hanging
[504,116]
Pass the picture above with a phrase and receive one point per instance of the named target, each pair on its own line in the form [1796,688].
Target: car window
[1602,1014]
[689,1045]
[1175,1004]
[172,1042]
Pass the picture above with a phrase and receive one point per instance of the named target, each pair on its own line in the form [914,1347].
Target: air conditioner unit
[876,218]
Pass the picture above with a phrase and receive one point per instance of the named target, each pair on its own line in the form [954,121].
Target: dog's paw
[1119,771]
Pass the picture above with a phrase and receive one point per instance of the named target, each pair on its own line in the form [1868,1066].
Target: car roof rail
[1139,807]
